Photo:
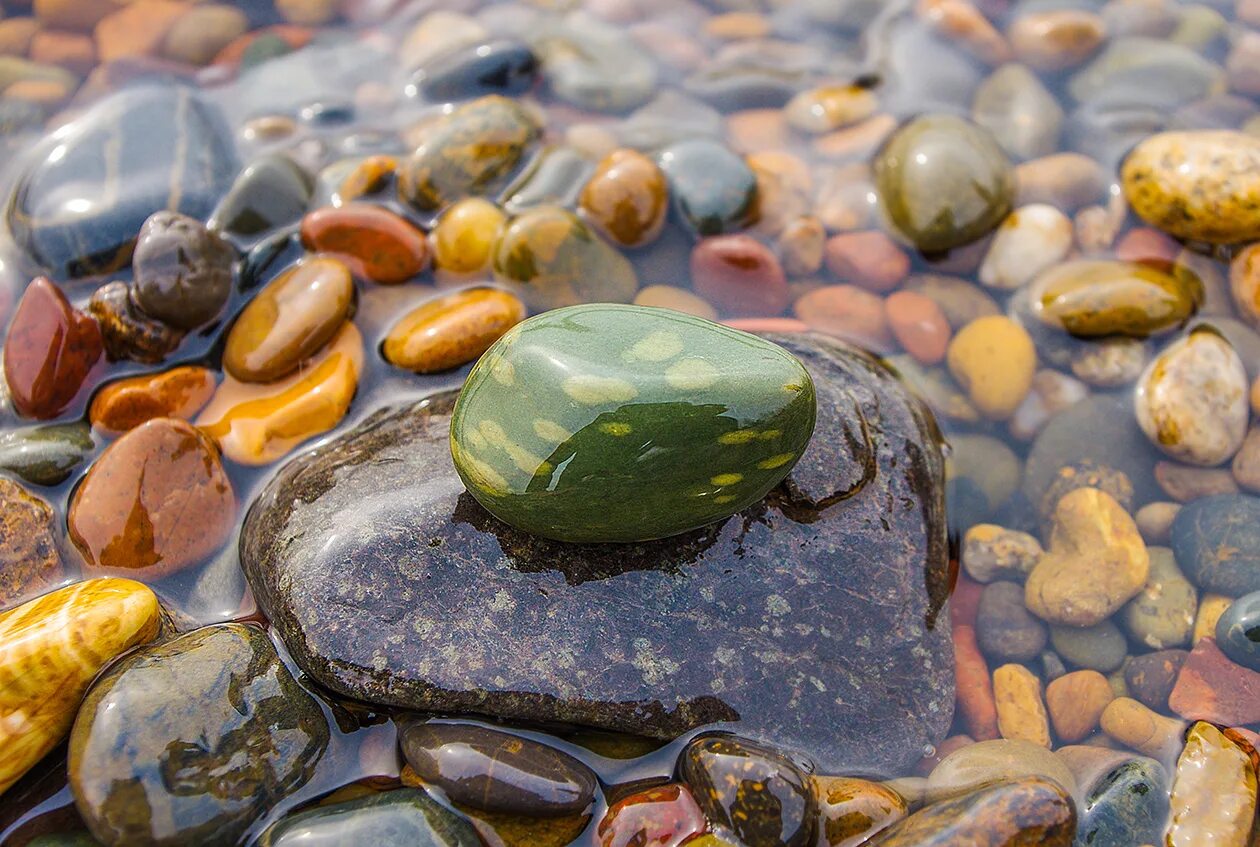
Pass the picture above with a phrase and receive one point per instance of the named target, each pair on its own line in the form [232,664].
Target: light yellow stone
[691,375]
[994,360]
[50,650]
[1211,607]
[590,390]
[1214,792]
[1129,722]
[1021,708]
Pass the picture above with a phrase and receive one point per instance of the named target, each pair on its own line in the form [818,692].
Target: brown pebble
[1184,483]
[626,198]
[870,259]
[452,330]
[29,561]
[73,51]
[16,35]
[848,312]
[127,403]
[1057,38]
[1076,702]
[1154,521]
[1134,725]
[1066,180]
[1151,676]
[1020,708]
[1246,464]
[919,325]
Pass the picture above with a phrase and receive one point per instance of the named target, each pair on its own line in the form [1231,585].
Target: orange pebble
[919,325]
[974,686]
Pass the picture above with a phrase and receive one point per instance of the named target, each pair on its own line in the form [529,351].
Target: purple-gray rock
[808,621]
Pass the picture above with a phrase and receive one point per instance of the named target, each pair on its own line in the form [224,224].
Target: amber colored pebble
[50,349]
[289,320]
[370,176]
[136,29]
[852,313]
[974,686]
[1129,722]
[465,235]
[127,403]
[375,243]
[156,501]
[767,325]
[678,299]
[449,331]
[853,810]
[50,650]
[1020,707]
[919,325]
[1076,702]
[257,424]
[626,198]
[664,816]
[29,562]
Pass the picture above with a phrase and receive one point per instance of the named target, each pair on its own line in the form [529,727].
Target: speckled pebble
[992,552]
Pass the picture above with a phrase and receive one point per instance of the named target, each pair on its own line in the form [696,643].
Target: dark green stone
[188,742]
[404,817]
[751,790]
[45,455]
[943,182]
[469,151]
[271,192]
[1128,806]
[624,423]
[391,585]
[487,769]
[182,271]
[712,189]
[77,208]
[1238,631]
[1217,543]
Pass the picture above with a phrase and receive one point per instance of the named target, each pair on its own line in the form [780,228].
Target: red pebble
[375,243]
[50,349]
[665,816]
[870,259]
[1212,688]
[848,312]
[974,686]
[919,325]
[964,602]
[1148,246]
[739,274]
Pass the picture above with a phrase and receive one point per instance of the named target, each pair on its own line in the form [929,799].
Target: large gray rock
[808,621]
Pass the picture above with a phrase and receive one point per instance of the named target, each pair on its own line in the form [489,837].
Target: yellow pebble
[464,238]
[550,431]
[739,436]
[727,479]
[724,498]
[993,359]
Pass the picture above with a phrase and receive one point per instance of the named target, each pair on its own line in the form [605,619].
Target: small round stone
[452,330]
[919,325]
[182,271]
[740,274]
[1238,631]
[465,235]
[993,359]
[1093,298]
[373,242]
[626,198]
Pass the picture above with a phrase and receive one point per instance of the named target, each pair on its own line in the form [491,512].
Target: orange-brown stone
[49,352]
[127,403]
[449,331]
[29,562]
[375,243]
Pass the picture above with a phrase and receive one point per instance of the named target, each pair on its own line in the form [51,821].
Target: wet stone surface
[685,663]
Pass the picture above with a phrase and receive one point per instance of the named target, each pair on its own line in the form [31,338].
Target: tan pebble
[1154,521]
[1056,39]
[592,140]
[52,648]
[137,29]
[1211,607]
[1134,725]
[846,198]
[307,12]
[1244,283]
[819,110]
[1097,226]
[73,51]
[735,26]
[960,22]
[41,92]
[198,36]
[854,142]
[74,15]
[801,246]
[753,130]
[1030,240]
[1076,702]
[16,35]
[993,359]
[1246,464]
[1066,181]
[1184,483]
[1021,710]
[1096,562]
[678,299]
[991,552]
[784,187]
[992,761]
[1111,362]
[452,330]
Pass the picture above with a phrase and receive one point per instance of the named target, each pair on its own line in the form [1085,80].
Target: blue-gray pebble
[1238,631]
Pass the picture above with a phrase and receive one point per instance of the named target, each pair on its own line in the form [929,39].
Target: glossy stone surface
[1214,792]
[679,421]
[1202,185]
[466,234]
[503,66]
[1216,544]
[943,182]
[665,816]
[1238,631]
[182,271]
[1127,806]
[156,501]
[451,330]
[626,198]
[551,258]
[45,455]
[1023,811]
[373,242]
[711,188]
[128,333]
[52,647]
[467,152]
[50,349]
[271,191]
[751,790]
[255,424]
[1210,687]
[170,722]
[853,810]
[481,767]
[77,212]
[29,561]
[1096,298]
[404,817]
[659,632]
[289,320]
[127,403]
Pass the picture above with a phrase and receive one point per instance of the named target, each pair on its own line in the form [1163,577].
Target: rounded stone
[713,190]
[678,299]
[1076,702]
[1101,647]
[993,359]
[626,198]
[919,325]
[991,552]
[272,191]
[45,455]
[943,182]
[1238,631]
[1030,240]
[740,274]
[847,312]
[852,811]
[1127,806]
[1021,709]
[1192,400]
[1055,39]
[29,561]
[155,502]
[173,722]
[182,271]
[1023,811]
[452,330]
[127,403]
[465,235]
[126,331]
[1162,613]
[1000,760]
[287,322]
[1150,677]
[503,66]
[1202,185]
[491,770]
[373,242]
[1005,629]
[402,817]
[566,400]
[1213,798]
[665,815]
[49,350]
[830,107]
[1097,298]
[751,790]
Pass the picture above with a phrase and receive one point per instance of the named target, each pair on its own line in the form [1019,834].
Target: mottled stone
[171,723]
[991,552]
[1151,676]
[1129,722]
[1021,709]
[1024,811]
[156,501]
[171,152]
[53,646]
[627,198]
[45,455]
[1127,806]
[1162,613]
[182,271]
[488,769]
[1214,539]
[665,816]
[467,152]
[649,626]
[127,332]
[1095,298]
[1212,688]
[49,351]
[851,811]
[1213,793]
[373,242]
[29,561]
